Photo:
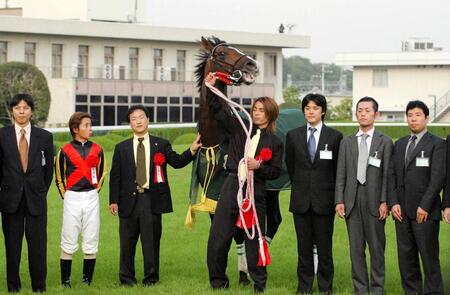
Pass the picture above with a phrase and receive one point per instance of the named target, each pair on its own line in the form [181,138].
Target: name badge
[326,154]
[43,158]
[374,161]
[422,161]
[94,175]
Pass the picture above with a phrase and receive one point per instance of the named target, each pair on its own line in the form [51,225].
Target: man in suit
[446,199]
[417,176]
[311,159]
[26,161]
[360,196]
[140,193]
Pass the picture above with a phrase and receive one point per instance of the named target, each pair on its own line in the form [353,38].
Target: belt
[141,190]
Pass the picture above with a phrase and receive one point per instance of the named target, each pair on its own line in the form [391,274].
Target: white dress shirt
[19,135]
[368,139]
[316,134]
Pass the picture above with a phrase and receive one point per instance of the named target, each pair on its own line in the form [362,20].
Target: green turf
[183,253]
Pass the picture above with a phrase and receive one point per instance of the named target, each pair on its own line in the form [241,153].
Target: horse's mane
[202,56]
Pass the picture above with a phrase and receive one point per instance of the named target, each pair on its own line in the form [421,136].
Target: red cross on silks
[83,166]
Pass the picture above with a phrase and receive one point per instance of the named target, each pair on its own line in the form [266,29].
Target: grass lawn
[183,253]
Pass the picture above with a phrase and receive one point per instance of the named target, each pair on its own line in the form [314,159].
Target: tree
[343,111]
[18,77]
[291,97]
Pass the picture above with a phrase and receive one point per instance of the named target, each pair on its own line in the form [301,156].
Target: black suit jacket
[122,184]
[312,183]
[35,182]
[446,199]
[413,186]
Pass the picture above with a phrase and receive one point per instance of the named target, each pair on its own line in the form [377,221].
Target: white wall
[55,9]
[85,10]
[62,101]
[116,10]
[404,84]
[11,3]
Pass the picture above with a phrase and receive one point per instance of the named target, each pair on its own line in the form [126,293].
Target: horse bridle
[235,75]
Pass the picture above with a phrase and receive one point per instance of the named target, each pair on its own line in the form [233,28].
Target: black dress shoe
[258,289]
[303,292]
[39,290]
[149,283]
[243,278]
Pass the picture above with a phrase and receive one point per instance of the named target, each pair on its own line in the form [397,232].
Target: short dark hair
[137,107]
[417,104]
[370,99]
[27,98]
[318,99]
[75,121]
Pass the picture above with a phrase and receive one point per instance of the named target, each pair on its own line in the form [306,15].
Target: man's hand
[253,164]
[340,210]
[114,209]
[211,78]
[447,215]
[397,212]
[421,215]
[196,144]
[384,212]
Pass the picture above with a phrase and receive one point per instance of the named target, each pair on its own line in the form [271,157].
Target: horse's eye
[222,54]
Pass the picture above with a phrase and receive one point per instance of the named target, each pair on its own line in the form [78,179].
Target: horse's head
[221,57]
[217,56]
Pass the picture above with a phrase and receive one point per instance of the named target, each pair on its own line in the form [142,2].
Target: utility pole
[323,72]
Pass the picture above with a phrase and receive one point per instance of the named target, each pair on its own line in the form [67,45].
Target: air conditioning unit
[119,72]
[74,70]
[108,71]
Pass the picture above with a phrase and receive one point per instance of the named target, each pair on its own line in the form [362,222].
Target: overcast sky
[339,26]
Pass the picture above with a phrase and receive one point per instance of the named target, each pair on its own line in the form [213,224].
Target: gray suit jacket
[376,178]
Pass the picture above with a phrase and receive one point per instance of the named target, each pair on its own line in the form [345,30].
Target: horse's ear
[205,44]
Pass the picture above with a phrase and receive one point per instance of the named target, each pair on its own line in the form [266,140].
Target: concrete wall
[56,9]
[405,83]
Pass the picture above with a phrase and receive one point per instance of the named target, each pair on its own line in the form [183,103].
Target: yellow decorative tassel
[190,218]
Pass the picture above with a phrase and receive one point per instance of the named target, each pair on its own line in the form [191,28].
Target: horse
[208,170]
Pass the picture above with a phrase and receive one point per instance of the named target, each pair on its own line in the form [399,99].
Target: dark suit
[446,198]
[411,187]
[312,204]
[140,213]
[362,203]
[23,203]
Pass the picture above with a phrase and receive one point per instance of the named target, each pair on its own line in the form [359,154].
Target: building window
[57,55]
[158,71]
[83,61]
[30,53]
[181,65]
[380,78]
[3,52]
[109,55]
[108,67]
[270,64]
[134,63]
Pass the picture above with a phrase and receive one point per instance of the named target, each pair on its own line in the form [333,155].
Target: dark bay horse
[208,172]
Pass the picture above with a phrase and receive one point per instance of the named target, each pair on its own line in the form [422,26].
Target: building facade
[396,78]
[104,67]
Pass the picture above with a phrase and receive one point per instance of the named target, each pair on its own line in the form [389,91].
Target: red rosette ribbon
[158,160]
[264,155]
